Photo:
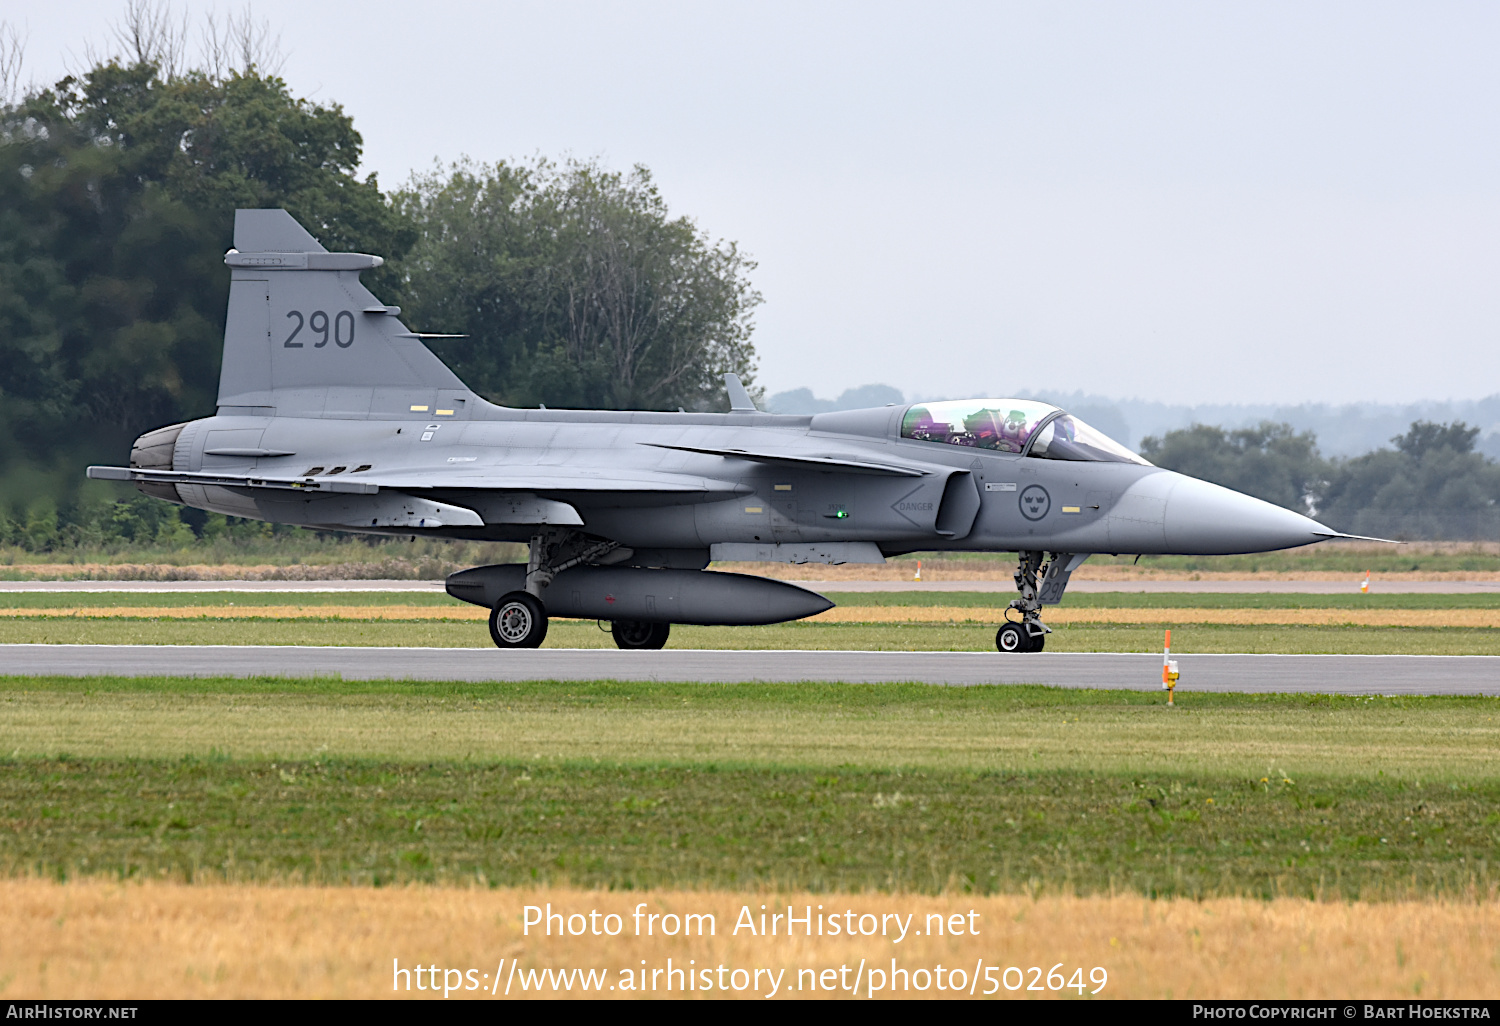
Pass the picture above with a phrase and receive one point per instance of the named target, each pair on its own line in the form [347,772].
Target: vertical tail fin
[304,338]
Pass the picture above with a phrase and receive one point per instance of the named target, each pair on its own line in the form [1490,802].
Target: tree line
[574,282]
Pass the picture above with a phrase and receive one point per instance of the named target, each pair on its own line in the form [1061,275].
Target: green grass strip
[1004,728]
[348,822]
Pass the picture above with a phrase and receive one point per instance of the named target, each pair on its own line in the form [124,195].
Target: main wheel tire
[1038,642]
[518,621]
[636,634]
[1012,637]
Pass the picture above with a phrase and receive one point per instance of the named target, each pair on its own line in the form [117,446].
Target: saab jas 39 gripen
[332,414]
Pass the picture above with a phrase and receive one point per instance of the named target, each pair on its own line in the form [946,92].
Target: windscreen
[1068,438]
[1005,425]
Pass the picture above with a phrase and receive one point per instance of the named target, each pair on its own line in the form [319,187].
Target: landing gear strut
[1040,583]
[519,619]
[555,549]
[1028,634]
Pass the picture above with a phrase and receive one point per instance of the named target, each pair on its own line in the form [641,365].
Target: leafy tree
[1269,461]
[1433,484]
[117,193]
[1424,436]
[576,286]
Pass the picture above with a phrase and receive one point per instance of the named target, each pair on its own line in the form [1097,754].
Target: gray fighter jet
[333,414]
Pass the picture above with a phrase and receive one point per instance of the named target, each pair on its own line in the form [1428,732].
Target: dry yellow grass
[957,570]
[840,614]
[1124,573]
[169,940]
[1061,615]
[233,612]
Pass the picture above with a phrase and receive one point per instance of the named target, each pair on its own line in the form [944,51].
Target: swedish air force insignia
[1035,502]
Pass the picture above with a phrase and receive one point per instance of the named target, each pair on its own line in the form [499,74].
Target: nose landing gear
[1013,637]
[1040,583]
[1027,634]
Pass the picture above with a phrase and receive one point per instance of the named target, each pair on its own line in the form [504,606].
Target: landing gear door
[1059,568]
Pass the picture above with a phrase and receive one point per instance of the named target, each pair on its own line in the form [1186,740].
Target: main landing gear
[1040,583]
[519,619]
[635,634]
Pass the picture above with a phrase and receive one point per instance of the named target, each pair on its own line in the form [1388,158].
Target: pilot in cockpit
[983,430]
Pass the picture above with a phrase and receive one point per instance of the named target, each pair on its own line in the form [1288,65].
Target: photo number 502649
[340,329]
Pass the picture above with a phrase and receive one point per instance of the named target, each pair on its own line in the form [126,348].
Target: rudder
[304,337]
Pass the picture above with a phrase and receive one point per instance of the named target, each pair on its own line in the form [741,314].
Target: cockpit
[1020,426]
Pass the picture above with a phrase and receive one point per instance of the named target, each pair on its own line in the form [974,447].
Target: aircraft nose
[1207,519]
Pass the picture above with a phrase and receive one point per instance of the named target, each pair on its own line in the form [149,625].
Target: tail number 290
[340,329]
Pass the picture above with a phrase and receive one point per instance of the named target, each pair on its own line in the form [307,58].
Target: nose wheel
[518,621]
[1013,637]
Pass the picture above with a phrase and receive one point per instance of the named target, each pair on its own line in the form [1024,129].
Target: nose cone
[1207,519]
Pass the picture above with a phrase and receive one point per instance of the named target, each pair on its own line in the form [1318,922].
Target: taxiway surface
[1337,674]
[1006,587]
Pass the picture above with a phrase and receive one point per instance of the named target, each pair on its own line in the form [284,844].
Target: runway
[1337,674]
[1006,587]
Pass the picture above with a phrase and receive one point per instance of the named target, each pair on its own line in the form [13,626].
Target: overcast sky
[1198,202]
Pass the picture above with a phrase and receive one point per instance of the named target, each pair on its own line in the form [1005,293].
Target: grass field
[279,837]
[17,603]
[1437,624]
[828,637]
[841,614]
[123,602]
[827,787]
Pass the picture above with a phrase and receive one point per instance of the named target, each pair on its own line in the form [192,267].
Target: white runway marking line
[606,653]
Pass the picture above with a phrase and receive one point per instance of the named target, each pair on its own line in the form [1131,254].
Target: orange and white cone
[1169,674]
[918,576]
[1364,588]
[1166,659]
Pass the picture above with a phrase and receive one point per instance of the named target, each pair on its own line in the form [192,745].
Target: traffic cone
[1364,588]
[918,576]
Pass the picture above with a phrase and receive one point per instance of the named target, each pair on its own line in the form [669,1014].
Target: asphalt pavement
[1006,587]
[1338,674]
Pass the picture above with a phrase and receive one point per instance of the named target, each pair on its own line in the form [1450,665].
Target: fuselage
[961,497]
